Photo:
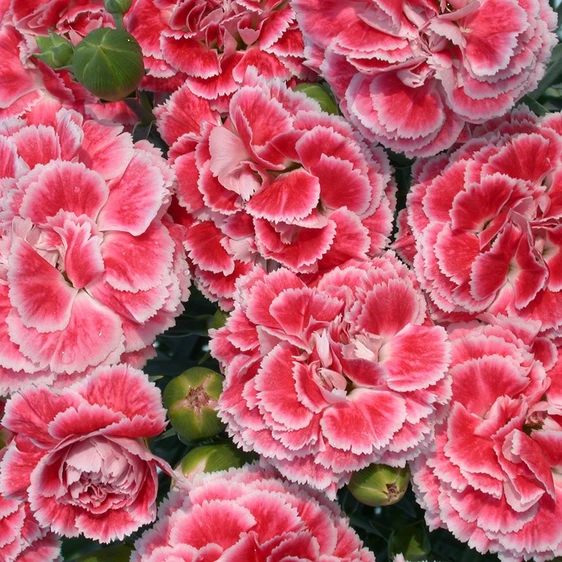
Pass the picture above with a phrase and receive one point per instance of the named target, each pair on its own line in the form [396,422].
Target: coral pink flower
[325,380]
[485,222]
[494,478]
[79,455]
[210,43]
[410,73]
[248,514]
[21,537]
[91,267]
[279,182]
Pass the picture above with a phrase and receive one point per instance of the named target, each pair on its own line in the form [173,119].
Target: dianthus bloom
[485,222]
[325,380]
[21,537]
[411,73]
[79,456]
[91,267]
[211,43]
[494,478]
[248,514]
[279,182]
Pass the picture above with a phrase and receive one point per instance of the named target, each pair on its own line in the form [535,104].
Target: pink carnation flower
[411,73]
[494,478]
[209,44]
[248,514]
[91,267]
[279,182]
[79,455]
[22,539]
[325,380]
[486,233]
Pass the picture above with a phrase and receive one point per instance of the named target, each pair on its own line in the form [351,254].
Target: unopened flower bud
[117,6]
[379,484]
[56,51]
[108,63]
[191,400]
[212,458]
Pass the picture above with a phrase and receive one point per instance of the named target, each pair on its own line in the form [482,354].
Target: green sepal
[56,51]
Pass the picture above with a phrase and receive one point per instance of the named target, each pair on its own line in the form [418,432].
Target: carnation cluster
[280,280]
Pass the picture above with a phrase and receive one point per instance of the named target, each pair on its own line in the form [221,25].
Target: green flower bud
[108,63]
[191,400]
[212,458]
[56,51]
[322,95]
[379,484]
[117,6]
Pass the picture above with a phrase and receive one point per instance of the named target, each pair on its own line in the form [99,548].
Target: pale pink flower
[91,267]
[79,456]
[209,44]
[249,514]
[411,73]
[494,479]
[325,380]
[485,222]
[278,183]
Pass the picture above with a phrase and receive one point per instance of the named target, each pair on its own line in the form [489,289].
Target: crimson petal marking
[82,258]
[365,422]
[124,390]
[37,145]
[299,310]
[417,357]
[67,186]
[31,412]
[490,41]
[190,56]
[38,290]
[135,198]
[276,390]
[183,113]
[137,263]
[18,462]
[204,244]
[92,334]
[410,112]
[389,307]
[291,196]
[137,307]
[479,382]
[219,521]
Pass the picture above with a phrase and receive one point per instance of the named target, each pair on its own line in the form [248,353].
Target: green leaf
[118,553]
[321,95]
[553,73]
[410,540]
